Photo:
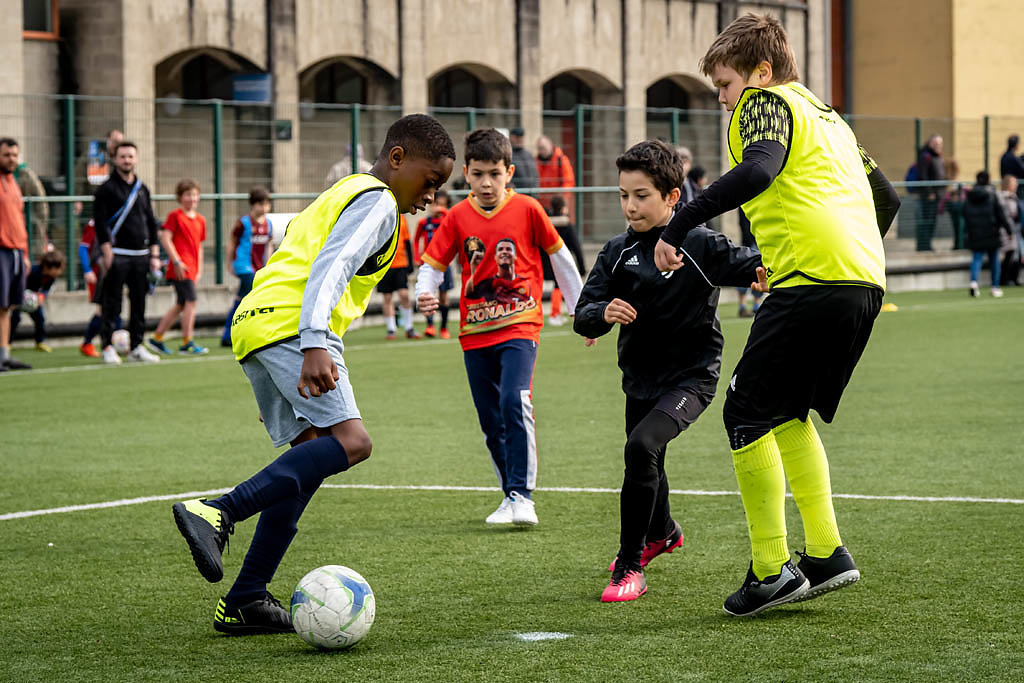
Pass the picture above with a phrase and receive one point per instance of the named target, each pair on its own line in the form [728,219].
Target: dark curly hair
[420,136]
[658,161]
[488,144]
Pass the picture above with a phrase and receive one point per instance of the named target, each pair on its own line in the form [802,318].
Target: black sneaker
[206,529]
[265,615]
[14,364]
[756,596]
[827,574]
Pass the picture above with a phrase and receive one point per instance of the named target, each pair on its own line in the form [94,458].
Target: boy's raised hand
[318,374]
[427,303]
[619,311]
[762,280]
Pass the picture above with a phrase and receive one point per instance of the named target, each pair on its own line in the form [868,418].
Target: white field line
[494,489]
[8,376]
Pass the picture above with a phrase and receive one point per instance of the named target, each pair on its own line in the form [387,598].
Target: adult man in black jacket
[126,231]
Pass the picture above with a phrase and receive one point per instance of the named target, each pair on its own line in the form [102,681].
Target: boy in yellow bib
[287,334]
[818,207]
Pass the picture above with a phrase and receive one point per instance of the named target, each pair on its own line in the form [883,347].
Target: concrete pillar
[634,76]
[285,77]
[138,86]
[413,76]
[531,90]
[818,31]
[12,71]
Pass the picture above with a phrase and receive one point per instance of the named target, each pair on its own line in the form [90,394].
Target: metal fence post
[69,184]
[675,127]
[28,206]
[579,168]
[470,119]
[218,185]
[986,132]
[917,137]
[354,146]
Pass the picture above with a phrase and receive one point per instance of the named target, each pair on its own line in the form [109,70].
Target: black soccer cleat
[827,574]
[206,529]
[265,615]
[756,596]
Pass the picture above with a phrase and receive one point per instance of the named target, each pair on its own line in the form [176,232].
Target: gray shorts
[274,375]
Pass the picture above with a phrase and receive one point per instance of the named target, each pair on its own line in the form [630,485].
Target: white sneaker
[974,288]
[523,511]
[503,515]
[110,356]
[143,355]
[556,320]
[996,292]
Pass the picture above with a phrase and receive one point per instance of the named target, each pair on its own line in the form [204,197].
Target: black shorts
[684,404]
[12,277]
[803,346]
[185,290]
[394,280]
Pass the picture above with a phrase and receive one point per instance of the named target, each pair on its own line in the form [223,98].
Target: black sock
[444,317]
[93,329]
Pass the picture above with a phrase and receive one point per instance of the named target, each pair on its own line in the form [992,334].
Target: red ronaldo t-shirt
[502,277]
[187,235]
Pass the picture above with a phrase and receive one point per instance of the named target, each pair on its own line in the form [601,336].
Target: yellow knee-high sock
[806,465]
[763,489]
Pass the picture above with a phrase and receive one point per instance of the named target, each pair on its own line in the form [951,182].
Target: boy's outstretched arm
[595,297]
[363,227]
[566,275]
[428,280]
[883,194]
[727,264]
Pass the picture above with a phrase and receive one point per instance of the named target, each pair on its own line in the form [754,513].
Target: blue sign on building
[252,88]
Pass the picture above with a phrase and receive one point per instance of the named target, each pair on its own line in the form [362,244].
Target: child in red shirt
[424,233]
[498,236]
[182,237]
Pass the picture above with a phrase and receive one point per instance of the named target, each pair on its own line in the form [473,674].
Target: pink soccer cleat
[655,548]
[626,584]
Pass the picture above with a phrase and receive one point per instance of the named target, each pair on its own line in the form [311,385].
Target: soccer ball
[121,340]
[333,607]
[30,302]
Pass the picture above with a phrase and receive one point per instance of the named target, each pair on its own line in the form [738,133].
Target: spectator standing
[984,219]
[1011,163]
[344,167]
[31,186]
[953,201]
[553,170]
[929,168]
[14,261]
[126,232]
[526,166]
[1010,271]
[182,237]
[252,245]
[686,191]
[38,283]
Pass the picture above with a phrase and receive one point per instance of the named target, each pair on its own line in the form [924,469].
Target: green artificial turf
[934,410]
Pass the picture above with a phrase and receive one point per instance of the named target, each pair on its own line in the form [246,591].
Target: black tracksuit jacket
[676,336]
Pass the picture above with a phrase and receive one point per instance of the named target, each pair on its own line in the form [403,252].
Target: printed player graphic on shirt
[504,296]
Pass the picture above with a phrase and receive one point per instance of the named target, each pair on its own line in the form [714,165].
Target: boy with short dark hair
[818,207]
[252,245]
[287,335]
[182,237]
[37,287]
[424,234]
[677,314]
[498,236]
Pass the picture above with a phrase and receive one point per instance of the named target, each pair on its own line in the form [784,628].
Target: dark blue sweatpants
[501,382]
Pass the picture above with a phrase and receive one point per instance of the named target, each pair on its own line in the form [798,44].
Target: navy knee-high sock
[297,470]
[444,317]
[93,329]
[274,533]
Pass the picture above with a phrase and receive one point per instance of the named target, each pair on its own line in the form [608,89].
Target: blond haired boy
[818,207]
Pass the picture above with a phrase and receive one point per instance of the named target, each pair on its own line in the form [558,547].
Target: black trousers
[643,504]
[132,271]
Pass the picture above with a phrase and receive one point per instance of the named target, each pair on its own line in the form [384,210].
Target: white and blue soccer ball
[333,607]
[30,302]
[121,341]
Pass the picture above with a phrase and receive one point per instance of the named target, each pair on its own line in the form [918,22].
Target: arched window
[565,91]
[456,88]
